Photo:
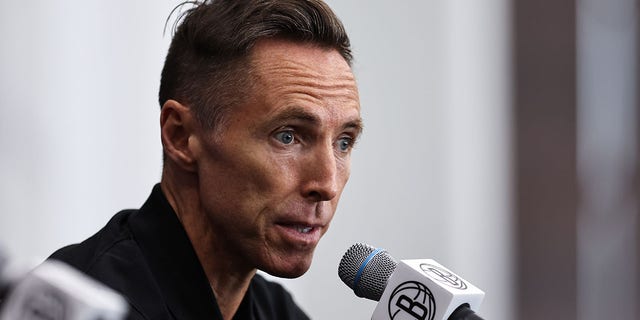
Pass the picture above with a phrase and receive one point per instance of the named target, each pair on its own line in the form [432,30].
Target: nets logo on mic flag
[422,289]
[412,299]
[443,275]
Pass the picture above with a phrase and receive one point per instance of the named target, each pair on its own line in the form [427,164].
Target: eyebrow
[298,114]
[356,125]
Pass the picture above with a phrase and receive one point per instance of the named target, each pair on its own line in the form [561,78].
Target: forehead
[284,70]
[280,65]
[267,51]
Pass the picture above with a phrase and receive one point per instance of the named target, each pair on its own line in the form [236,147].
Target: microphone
[56,291]
[419,289]
[4,286]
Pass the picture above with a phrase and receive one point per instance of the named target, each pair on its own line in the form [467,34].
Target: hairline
[245,76]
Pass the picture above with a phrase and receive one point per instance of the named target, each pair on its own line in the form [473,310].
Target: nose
[321,180]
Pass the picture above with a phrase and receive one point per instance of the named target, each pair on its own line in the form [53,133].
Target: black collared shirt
[146,255]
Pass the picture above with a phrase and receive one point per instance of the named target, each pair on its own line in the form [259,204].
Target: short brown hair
[207,64]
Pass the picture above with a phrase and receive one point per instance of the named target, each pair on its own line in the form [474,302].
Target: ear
[178,133]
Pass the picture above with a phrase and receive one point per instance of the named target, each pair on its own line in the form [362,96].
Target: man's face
[270,180]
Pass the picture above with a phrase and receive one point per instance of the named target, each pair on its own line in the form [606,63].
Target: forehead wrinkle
[314,94]
[302,71]
[299,69]
[311,85]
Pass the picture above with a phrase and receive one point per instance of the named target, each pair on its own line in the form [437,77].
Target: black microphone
[419,289]
[4,284]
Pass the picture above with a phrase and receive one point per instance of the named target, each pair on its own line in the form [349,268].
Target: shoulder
[112,257]
[115,236]
[274,301]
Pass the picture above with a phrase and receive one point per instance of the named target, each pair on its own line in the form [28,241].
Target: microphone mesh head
[375,272]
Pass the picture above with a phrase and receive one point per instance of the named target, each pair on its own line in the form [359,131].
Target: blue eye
[345,144]
[286,137]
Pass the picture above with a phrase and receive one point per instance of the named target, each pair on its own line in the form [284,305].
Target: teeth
[303,229]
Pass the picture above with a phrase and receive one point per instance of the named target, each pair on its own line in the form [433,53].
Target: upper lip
[298,223]
[302,217]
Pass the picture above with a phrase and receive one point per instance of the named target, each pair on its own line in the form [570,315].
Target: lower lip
[291,234]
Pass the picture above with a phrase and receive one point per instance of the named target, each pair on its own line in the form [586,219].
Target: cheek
[268,176]
[344,172]
[253,179]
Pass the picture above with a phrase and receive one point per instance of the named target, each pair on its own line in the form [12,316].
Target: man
[259,114]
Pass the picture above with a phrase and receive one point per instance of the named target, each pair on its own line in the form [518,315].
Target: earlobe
[177,131]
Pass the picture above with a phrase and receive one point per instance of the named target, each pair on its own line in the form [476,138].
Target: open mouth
[300,233]
[303,229]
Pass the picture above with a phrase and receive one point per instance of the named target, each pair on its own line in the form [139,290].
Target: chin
[289,268]
[288,274]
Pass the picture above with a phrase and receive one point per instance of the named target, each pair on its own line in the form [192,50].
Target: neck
[229,283]
[229,293]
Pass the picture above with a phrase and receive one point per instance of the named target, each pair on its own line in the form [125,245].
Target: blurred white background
[431,177]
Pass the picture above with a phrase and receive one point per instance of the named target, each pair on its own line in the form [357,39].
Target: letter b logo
[411,300]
